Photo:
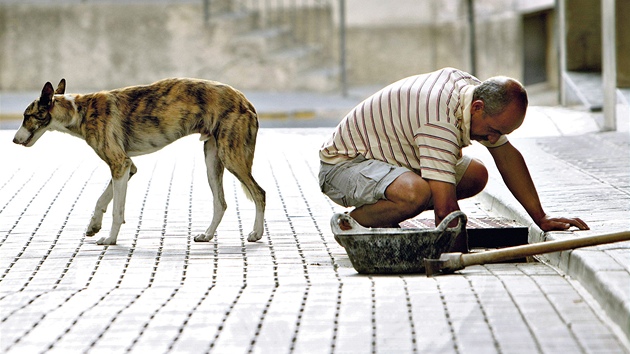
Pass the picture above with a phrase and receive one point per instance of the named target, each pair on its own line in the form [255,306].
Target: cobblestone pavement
[293,291]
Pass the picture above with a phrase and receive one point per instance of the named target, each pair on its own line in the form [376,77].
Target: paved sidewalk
[293,291]
[587,176]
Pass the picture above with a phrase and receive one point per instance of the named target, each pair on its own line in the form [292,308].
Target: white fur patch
[22,135]
[70,98]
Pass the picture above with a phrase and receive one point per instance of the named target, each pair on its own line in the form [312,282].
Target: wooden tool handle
[509,253]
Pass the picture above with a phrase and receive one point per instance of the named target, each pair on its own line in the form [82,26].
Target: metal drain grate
[486,232]
[473,223]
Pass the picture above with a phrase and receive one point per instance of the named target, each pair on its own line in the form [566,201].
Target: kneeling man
[399,152]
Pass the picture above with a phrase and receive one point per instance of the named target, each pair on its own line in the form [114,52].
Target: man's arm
[444,200]
[517,178]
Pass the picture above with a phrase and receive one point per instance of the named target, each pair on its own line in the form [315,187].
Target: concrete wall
[623,43]
[583,35]
[102,46]
[582,30]
[388,40]
[499,41]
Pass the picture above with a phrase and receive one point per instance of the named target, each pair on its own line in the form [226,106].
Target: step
[220,6]
[297,58]
[322,79]
[587,87]
[229,24]
[262,42]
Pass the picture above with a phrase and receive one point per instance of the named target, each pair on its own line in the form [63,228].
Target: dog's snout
[18,141]
[22,136]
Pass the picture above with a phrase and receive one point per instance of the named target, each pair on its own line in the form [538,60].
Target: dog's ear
[61,88]
[47,95]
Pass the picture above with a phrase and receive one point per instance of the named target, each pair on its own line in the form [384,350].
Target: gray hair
[498,92]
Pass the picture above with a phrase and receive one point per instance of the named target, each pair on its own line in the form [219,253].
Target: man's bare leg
[410,194]
[407,197]
[473,181]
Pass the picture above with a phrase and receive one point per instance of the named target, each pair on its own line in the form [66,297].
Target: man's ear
[47,95]
[477,105]
[61,88]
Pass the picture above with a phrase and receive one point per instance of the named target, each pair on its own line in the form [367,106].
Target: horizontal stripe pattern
[413,122]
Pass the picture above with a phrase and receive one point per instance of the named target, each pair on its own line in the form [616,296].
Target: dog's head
[37,116]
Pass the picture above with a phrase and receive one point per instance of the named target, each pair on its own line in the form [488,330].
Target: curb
[590,266]
[306,114]
[11,116]
[10,121]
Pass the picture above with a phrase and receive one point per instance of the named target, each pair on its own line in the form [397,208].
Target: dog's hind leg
[101,206]
[214,168]
[239,162]
[257,194]
[119,186]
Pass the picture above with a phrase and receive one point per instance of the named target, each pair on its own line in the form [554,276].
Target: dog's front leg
[120,177]
[101,206]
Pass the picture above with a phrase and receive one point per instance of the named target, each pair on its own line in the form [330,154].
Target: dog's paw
[202,238]
[92,230]
[254,236]
[105,241]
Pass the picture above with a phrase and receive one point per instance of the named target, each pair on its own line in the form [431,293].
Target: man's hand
[547,223]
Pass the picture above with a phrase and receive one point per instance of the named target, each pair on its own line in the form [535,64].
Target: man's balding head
[498,92]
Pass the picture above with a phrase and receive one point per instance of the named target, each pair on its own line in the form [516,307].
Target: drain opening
[486,233]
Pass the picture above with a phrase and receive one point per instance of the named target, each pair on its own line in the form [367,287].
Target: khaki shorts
[362,181]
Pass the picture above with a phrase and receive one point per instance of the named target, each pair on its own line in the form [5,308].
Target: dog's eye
[34,116]
[40,115]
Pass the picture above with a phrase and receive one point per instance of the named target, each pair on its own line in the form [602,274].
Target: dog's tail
[248,194]
[253,191]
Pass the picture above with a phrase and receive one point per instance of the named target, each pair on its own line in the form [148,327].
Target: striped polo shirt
[421,122]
